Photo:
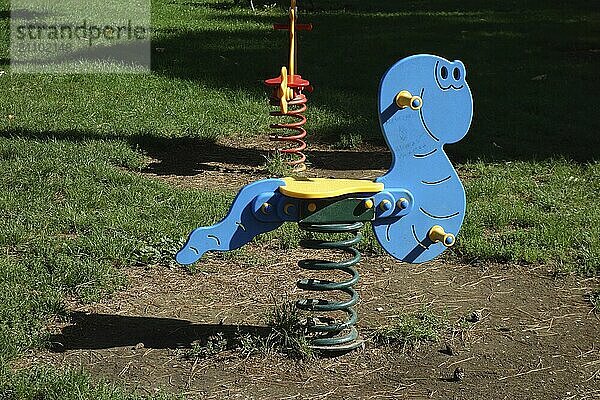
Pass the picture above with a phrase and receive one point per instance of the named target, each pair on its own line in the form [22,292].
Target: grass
[74,217]
[75,210]
[533,212]
[50,384]
[410,330]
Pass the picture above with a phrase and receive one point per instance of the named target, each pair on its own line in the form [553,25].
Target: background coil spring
[297,107]
[339,335]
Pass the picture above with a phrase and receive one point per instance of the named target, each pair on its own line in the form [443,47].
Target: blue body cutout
[420,166]
[421,189]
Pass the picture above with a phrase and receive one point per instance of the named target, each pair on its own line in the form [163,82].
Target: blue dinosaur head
[424,103]
[446,110]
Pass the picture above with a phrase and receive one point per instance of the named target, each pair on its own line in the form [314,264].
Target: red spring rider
[287,94]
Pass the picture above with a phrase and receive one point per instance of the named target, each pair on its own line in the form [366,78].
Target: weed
[289,333]
[349,141]
[285,316]
[160,253]
[287,336]
[595,300]
[277,165]
[214,345]
[249,344]
[245,343]
[464,326]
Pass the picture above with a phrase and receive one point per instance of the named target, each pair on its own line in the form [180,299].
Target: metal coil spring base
[338,336]
[297,108]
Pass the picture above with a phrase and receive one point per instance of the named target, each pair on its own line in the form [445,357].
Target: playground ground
[537,336]
[95,196]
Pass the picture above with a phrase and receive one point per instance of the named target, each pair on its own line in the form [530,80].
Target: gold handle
[438,234]
[406,99]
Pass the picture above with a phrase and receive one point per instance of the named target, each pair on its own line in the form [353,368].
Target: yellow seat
[322,188]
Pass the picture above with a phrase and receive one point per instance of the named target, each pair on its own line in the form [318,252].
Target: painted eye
[444,73]
[456,74]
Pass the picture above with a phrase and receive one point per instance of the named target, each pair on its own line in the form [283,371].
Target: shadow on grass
[189,156]
[532,66]
[105,331]
[365,7]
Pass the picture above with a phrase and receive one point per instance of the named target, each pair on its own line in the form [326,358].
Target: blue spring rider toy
[416,209]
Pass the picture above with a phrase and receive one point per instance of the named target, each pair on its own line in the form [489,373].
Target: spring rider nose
[416,209]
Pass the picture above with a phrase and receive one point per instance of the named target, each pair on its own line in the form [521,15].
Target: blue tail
[238,228]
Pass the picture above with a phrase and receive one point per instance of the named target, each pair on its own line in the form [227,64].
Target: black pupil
[444,72]
[456,73]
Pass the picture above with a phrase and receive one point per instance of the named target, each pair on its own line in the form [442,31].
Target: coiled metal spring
[297,107]
[334,335]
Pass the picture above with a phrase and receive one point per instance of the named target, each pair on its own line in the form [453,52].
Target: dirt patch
[537,337]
